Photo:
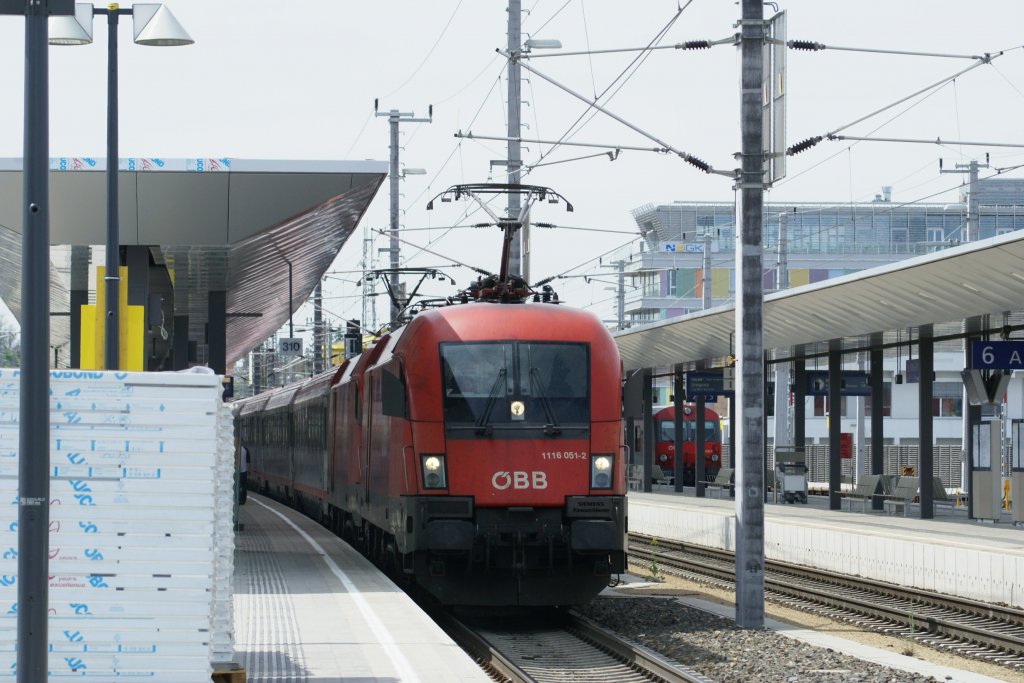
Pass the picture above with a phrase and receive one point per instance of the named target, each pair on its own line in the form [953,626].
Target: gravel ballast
[715,647]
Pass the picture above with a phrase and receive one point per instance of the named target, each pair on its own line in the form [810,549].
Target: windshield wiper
[551,428]
[483,424]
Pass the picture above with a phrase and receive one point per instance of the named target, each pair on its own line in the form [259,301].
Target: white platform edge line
[402,666]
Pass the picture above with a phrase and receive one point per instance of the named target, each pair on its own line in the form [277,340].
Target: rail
[972,628]
[565,649]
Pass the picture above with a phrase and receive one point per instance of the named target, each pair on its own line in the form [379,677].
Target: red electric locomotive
[664,444]
[476,450]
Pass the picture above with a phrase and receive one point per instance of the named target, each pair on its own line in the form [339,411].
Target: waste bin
[792,478]
[791,475]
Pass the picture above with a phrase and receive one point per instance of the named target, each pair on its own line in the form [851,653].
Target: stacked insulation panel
[223,645]
[140,478]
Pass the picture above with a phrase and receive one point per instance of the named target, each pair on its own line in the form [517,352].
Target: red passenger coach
[664,444]
[476,450]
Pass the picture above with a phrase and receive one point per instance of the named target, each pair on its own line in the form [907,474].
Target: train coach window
[667,431]
[393,401]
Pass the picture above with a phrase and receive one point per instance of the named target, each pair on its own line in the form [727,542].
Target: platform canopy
[943,289]
[231,225]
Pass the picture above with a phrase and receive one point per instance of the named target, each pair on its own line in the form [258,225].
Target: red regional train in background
[664,444]
[476,450]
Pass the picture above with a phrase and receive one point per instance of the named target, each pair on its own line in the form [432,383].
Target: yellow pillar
[130,324]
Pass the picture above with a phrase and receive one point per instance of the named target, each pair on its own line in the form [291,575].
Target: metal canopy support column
[137,260]
[877,408]
[699,474]
[926,351]
[781,435]
[677,424]
[835,415]
[972,417]
[647,382]
[216,332]
[732,433]
[769,399]
[179,349]
[318,329]
[749,309]
[800,402]
[78,297]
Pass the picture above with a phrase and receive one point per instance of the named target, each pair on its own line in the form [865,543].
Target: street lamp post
[34,402]
[154,25]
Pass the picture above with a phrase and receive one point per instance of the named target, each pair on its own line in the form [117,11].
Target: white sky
[297,80]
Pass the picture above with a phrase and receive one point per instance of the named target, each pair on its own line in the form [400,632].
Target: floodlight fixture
[543,44]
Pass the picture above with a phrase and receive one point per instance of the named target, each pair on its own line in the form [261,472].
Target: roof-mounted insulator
[808,45]
[803,145]
[702,165]
[696,45]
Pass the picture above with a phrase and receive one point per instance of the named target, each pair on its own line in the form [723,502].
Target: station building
[807,243]
[813,241]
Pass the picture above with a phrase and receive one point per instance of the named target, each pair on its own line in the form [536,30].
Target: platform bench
[903,495]
[723,480]
[867,488]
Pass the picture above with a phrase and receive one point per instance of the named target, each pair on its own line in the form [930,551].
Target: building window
[947,399]
[821,406]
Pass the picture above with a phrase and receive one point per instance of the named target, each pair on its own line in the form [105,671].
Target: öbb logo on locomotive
[519,480]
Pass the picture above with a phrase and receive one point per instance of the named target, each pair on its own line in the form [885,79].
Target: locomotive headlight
[601,471]
[518,409]
[663,458]
[434,475]
[714,457]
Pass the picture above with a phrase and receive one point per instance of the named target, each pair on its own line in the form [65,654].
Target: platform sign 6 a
[997,355]
[289,347]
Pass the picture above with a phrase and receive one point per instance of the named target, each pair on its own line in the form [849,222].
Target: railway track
[968,627]
[569,649]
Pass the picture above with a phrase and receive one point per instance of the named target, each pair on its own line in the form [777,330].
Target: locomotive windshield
[667,431]
[516,386]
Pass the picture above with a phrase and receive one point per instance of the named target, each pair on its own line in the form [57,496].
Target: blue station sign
[852,383]
[707,384]
[997,355]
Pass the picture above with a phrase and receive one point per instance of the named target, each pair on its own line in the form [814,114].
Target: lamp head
[156,26]
[75,29]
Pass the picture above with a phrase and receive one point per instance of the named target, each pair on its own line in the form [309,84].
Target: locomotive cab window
[516,386]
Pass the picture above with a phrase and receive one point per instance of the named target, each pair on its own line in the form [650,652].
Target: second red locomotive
[664,444]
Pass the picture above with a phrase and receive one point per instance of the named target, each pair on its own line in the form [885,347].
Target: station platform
[948,554]
[308,607]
